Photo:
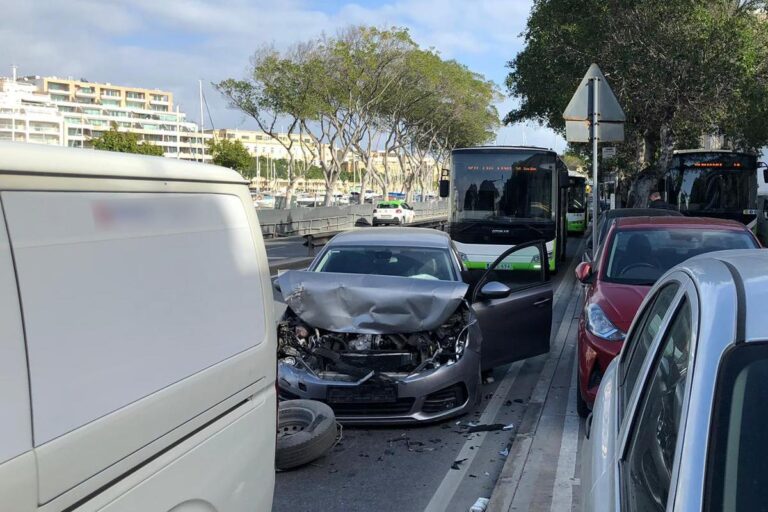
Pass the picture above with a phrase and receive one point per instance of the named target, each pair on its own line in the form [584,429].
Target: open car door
[513,303]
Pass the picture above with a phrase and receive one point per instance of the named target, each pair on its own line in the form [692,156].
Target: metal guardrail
[289,226]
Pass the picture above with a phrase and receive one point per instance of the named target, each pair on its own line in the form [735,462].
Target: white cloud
[170,44]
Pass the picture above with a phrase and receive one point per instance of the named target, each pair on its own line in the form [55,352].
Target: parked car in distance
[606,218]
[393,212]
[387,326]
[263,200]
[144,335]
[636,252]
[676,424]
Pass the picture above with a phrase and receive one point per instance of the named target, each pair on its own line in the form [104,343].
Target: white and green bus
[504,196]
[578,209]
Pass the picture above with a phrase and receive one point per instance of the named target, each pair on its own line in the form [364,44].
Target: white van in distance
[137,339]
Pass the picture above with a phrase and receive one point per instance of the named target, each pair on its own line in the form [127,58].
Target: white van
[137,340]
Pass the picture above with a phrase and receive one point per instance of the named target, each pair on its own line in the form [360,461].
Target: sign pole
[594,115]
[595,184]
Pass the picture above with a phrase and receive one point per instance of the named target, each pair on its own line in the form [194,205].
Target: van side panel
[15,413]
[126,294]
[18,472]
[194,477]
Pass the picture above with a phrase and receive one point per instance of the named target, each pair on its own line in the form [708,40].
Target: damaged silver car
[388,326]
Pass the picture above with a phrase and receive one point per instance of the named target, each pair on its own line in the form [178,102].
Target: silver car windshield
[416,262]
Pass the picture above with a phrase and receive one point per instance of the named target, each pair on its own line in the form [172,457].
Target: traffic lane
[396,468]
[401,468]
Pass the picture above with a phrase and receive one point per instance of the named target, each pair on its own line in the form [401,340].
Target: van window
[124,294]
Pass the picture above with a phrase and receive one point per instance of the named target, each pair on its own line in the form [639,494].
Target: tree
[125,142]
[361,91]
[680,69]
[232,154]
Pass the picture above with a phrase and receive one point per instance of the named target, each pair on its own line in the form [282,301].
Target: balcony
[85,93]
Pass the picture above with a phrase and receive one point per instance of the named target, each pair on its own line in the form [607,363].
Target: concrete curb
[507,484]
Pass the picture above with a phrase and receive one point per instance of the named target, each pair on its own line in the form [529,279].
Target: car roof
[688,222]
[394,236]
[40,159]
[391,201]
[748,269]
[640,212]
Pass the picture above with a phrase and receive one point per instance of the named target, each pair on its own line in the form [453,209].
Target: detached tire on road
[306,429]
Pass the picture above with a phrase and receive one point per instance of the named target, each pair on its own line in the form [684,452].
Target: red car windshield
[641,256]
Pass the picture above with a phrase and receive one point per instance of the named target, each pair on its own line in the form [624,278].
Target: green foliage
[125,142]
[363,89]
[231,154]
[680,69]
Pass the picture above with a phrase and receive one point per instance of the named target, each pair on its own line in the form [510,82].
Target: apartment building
[88,109]
[28,116]
[260,144]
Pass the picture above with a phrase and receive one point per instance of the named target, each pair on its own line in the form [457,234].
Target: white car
[392,212]
[137,347]
[678,422]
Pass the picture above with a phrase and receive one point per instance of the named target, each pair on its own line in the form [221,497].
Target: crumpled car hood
[370,304]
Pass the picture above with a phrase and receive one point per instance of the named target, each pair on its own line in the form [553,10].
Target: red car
[637,251]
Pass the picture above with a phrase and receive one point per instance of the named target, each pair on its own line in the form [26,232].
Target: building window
[54,86]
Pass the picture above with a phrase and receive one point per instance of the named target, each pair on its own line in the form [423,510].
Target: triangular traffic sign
[580,106]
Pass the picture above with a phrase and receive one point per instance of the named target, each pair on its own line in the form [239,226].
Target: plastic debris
[456,463]
[480,505]
[509,427]
[504,452]
[488,427]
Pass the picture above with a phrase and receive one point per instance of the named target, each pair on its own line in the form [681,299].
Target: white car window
[648,466]
[637,346]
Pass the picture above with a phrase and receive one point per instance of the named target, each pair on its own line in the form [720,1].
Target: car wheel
[306,429]
[581,405]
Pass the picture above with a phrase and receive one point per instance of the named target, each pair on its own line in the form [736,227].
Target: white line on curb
[562,492]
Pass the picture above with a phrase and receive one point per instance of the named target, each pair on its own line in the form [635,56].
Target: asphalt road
[286,253]
[442,467]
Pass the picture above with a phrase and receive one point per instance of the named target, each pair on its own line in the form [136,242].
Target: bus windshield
[503,185]
[718,184]
[576,194]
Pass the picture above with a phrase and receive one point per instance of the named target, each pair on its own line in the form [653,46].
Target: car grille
[398,407]
[445,399]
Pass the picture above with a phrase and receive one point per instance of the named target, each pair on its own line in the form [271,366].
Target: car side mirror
[495,290]
[584,272]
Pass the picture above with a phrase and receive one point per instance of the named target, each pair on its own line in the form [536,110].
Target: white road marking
[562,492]
[450,483]
[447,488]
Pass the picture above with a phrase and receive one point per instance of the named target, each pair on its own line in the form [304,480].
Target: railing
[306,221]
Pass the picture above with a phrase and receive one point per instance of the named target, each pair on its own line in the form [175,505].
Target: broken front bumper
[431,395]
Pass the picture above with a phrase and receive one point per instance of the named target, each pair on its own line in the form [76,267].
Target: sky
[171,44]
